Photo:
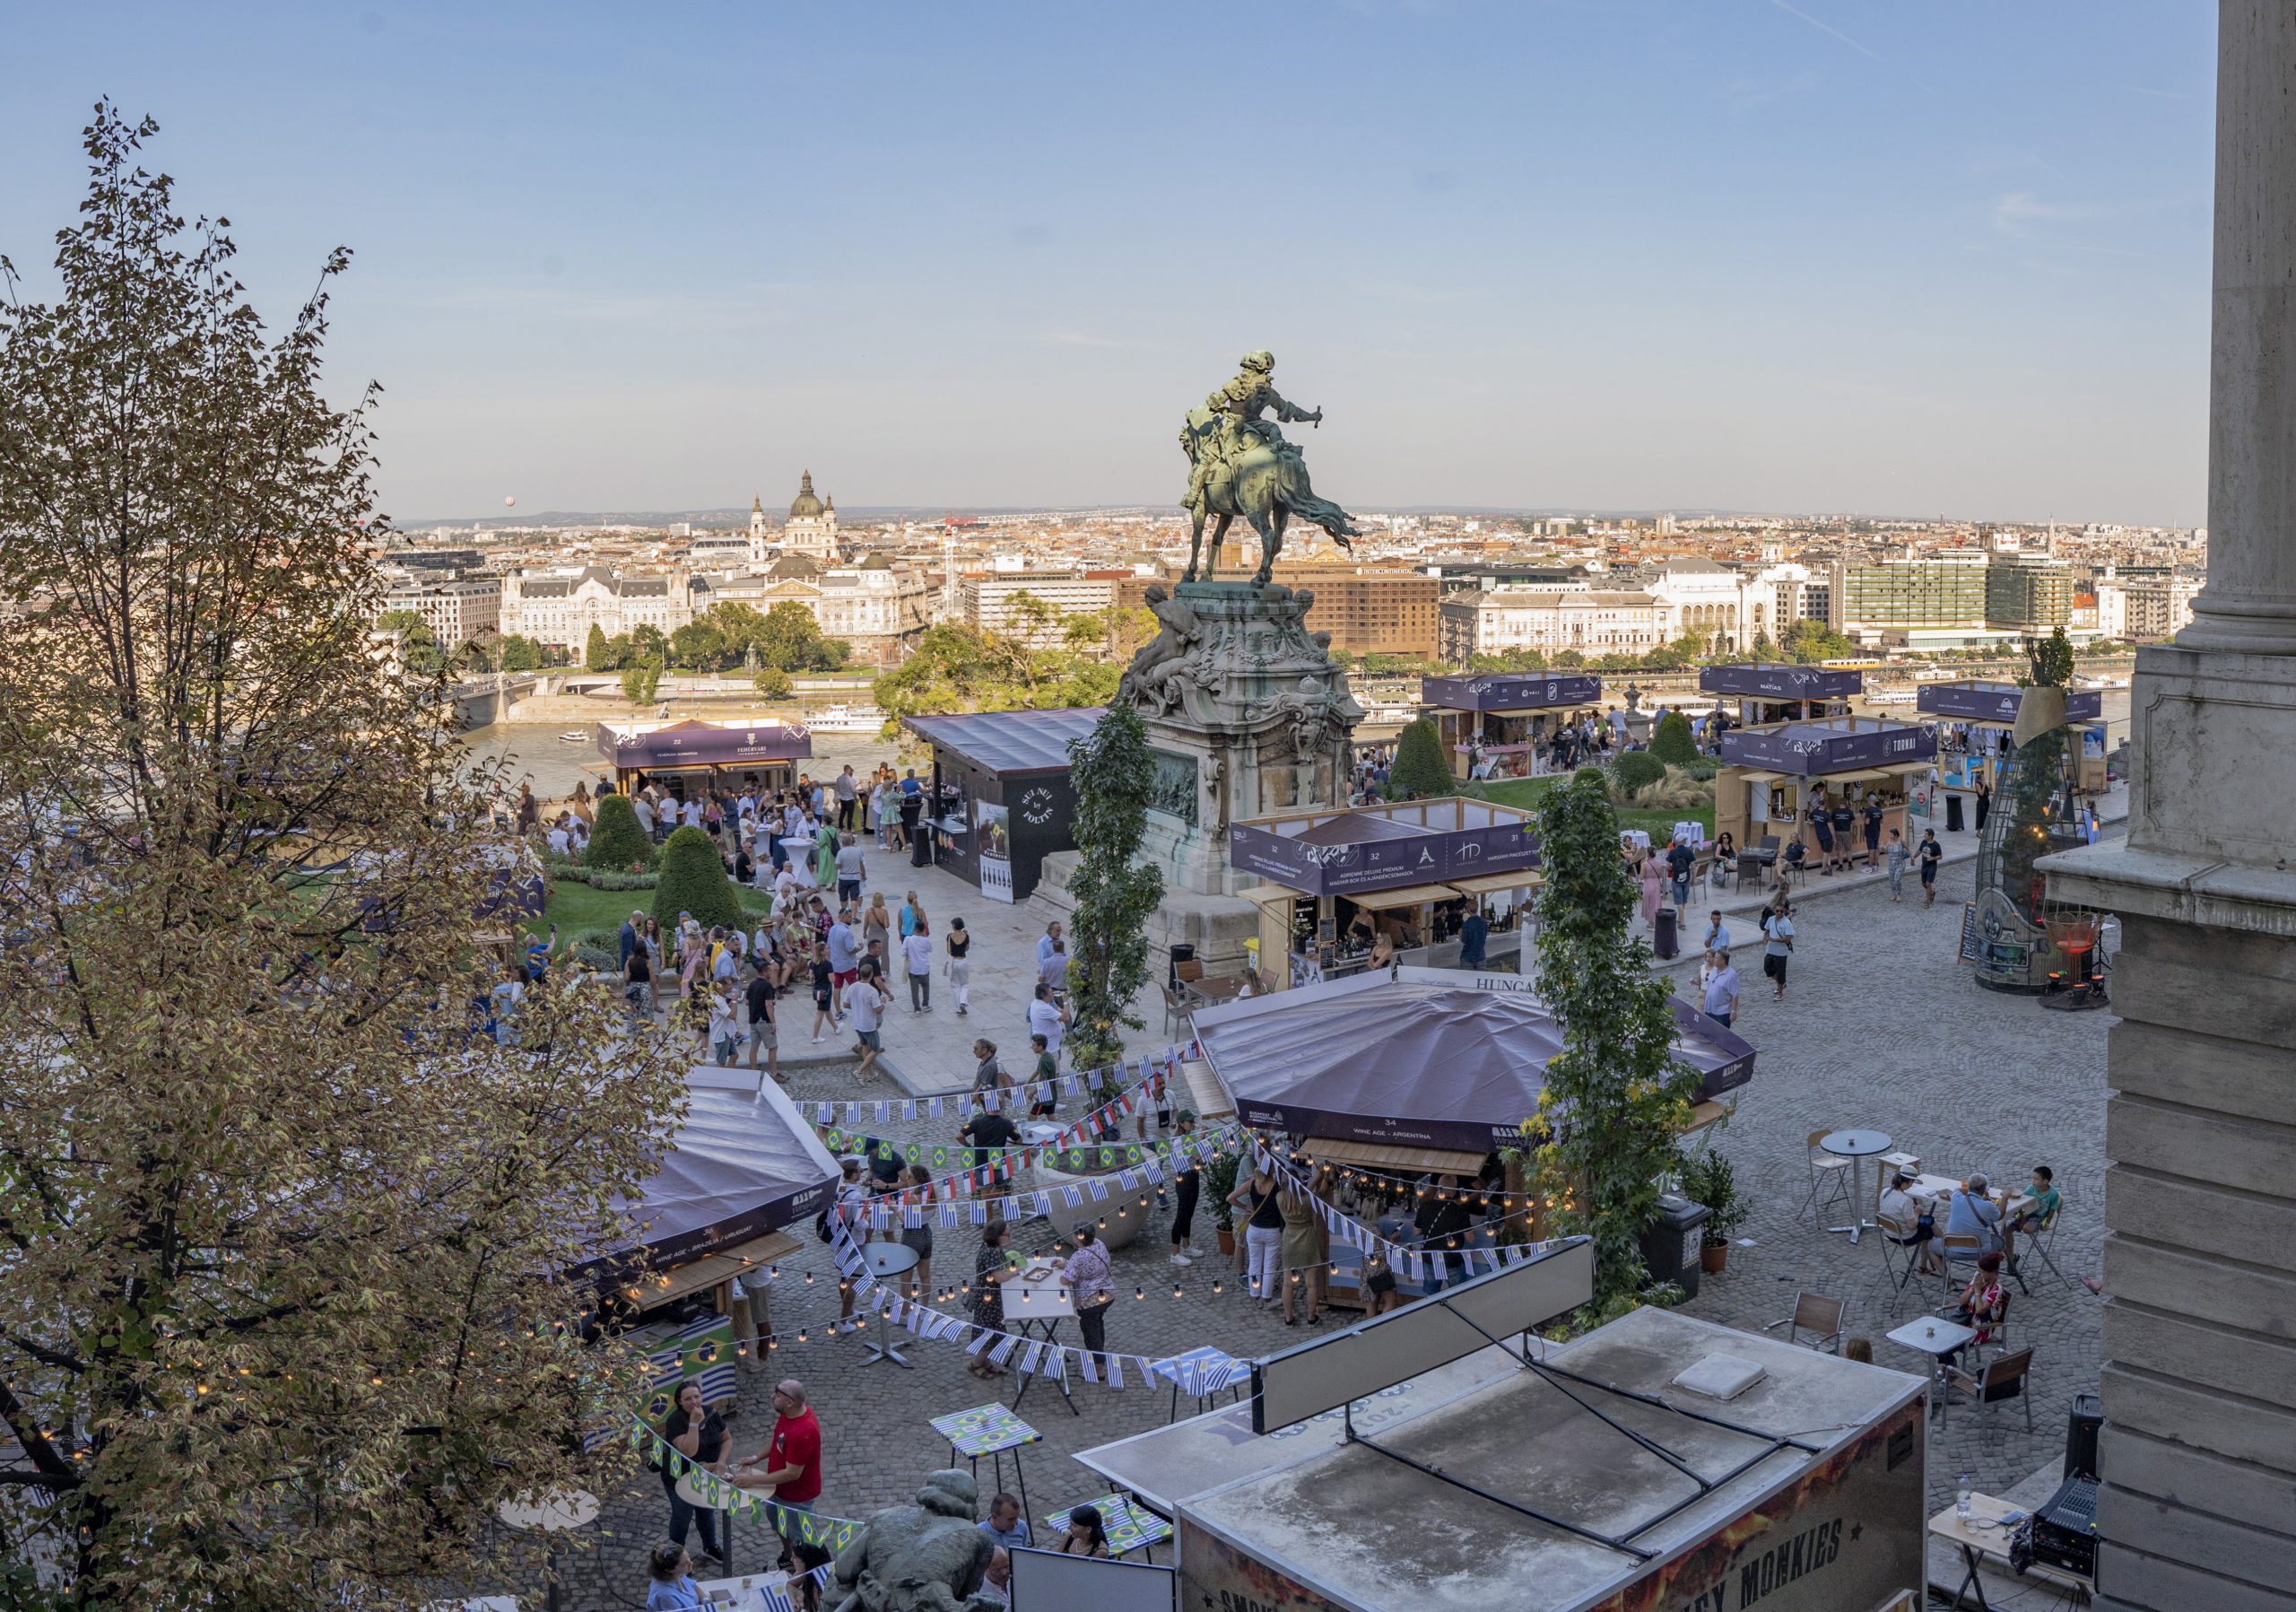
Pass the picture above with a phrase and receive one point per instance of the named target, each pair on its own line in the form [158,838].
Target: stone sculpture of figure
[926,1557]
[1309,711]
[1239,465]
[1633,698]
[1177,632]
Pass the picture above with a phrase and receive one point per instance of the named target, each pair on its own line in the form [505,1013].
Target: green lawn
[576,908]
[1658,823]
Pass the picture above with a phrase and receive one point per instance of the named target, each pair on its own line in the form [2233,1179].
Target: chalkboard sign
[1972,942]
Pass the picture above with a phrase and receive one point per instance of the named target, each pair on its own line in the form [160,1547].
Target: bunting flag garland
[963,1101]
[831,1533]
[1150,1160]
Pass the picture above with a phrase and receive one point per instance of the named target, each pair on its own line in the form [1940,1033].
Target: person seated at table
[1005,1525]
[1085,1535]
[670,1575]
[1725,854]
[1984,1304]
[1898,1205]
[1975,1214]
[2041,1208]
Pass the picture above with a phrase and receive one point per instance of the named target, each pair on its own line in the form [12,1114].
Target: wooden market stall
[1766,694]
[1333,881]
[1772,778]
[703,753]
[1003,799]
[1974,717]
[1507,719]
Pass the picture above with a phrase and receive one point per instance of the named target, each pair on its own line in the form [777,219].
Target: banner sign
[1528,691]
[1811,750]
[1781,683]
[1998,702]
[1383,863]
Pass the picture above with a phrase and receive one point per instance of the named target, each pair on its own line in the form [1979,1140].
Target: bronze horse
[1266,485]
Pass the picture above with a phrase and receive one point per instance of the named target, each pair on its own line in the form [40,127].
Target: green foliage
[1508,660]
[514,653]
[1614,1097]
[698,646]
[1420,768]
[1702,767]
[790,638]
[693,880]
[956,668]
[1708,1178]
[418,646]
[772,683]
[616,842]
[1809,643]
[647,643]
[1115,889]
[642,682]
[1671,742]
[2051,660]
[1637,768]
[1763,648]
[596,655]
[1219,1181]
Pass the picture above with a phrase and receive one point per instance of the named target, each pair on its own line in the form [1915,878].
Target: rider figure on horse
[1235,426]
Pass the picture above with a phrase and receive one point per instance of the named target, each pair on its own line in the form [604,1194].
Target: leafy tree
[1420,768]
[1763,648]
[1809,643]
[1671,740]
[698,646]
[1114,888]
[2050,661]
[642,682]
[1614,1097]
[286,1249]
[519,653]
[772,683]
[693,880]
[596,655]
[418,645]
[647,643]
[616,840]
[959,667]
[791,639]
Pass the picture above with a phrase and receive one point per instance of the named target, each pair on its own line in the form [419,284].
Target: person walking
[1930,855]
[865,1006]
[1090,1288]
[916,952]
[1654,892]
[1895,857]
[990,1270]
[1721,988]
[824,981]
[759,996]
[1777,944]
[959,942]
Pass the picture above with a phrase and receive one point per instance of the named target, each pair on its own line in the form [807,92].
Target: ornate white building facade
[811,529]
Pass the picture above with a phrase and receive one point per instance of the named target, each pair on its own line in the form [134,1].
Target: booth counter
[1774,780]
[1508,717]
[1973,717]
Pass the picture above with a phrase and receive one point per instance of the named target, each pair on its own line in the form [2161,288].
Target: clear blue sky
[1907,258]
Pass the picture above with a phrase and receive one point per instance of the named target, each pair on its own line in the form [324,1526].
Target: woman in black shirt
[698,1436]
[959,945]
[637,981]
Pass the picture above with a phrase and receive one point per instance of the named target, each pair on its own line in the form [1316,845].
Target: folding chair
[1819,1316]
[2004,1377]
[1957,1248]
[2043,1243]
[1827,1167]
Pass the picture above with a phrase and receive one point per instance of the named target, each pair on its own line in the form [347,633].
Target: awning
[1410,895]
[1493,884]
[1863,775]
[1208,1097]
[1759,778]
[1392,1158]
[709,1271]
[1904,767]
[1267,893]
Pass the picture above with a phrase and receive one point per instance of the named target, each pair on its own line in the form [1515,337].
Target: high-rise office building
[2028,593]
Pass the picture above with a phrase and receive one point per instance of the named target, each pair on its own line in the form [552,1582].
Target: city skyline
[1753,257]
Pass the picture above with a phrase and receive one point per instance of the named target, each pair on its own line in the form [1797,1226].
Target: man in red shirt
[790,1464]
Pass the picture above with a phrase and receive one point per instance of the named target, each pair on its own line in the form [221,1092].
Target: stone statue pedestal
[1247,716]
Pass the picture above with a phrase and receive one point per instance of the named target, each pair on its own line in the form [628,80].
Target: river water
[538,755]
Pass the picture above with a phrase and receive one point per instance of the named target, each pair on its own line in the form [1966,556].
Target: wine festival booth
[1003,801]
[712,755]
[1781,693]
[743,1166]
[1333,882]
[1973,721]
[1414,1072]
[1505,717]
[1773,779]
[1446,1457]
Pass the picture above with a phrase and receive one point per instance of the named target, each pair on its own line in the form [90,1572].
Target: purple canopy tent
[1974,701]
[1432,1058]
[1777,682]
[692,744]
[1543,691]
[743,1164]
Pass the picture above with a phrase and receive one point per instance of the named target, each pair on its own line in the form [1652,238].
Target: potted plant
[1709,1179]
[1219,1181]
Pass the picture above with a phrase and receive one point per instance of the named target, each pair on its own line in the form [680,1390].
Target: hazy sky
[1906,258]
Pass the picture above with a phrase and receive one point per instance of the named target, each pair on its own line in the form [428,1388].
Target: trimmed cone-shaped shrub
[693,880]
[1637,768]
[1419,769]
[616,840]
[1672,743]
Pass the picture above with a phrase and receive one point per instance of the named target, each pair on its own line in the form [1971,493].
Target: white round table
[884,1260]
[1856,1146]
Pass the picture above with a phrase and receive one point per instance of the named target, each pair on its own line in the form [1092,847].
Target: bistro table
[884,1260]
[1036,1301]
[1936,1337]
[989,1430]
[1128,1527]
[1856,1146]
[1200,1373]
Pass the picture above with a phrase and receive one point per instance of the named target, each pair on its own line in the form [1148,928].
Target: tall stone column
[2198,1456]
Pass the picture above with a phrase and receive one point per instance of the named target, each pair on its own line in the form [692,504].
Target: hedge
[602,878]
[1419,769]
[1672,743]
[1636,769]
[693,880]
[616,842]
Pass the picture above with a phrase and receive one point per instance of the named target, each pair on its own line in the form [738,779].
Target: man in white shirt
[1777,946]
[1044,1020]
[865,1005]
[694,812]
[1721,988]
[644,811]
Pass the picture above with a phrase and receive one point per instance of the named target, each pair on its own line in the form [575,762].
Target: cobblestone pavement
[1881,1027]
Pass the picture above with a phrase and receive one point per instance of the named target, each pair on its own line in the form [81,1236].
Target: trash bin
[1952,814]
[1670,1241]
[1665,939]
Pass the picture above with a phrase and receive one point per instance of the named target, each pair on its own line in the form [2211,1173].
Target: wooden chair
[1958,1246]
[1827,1167]
[1188,972]
[1819,1316]
[2004,1377]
